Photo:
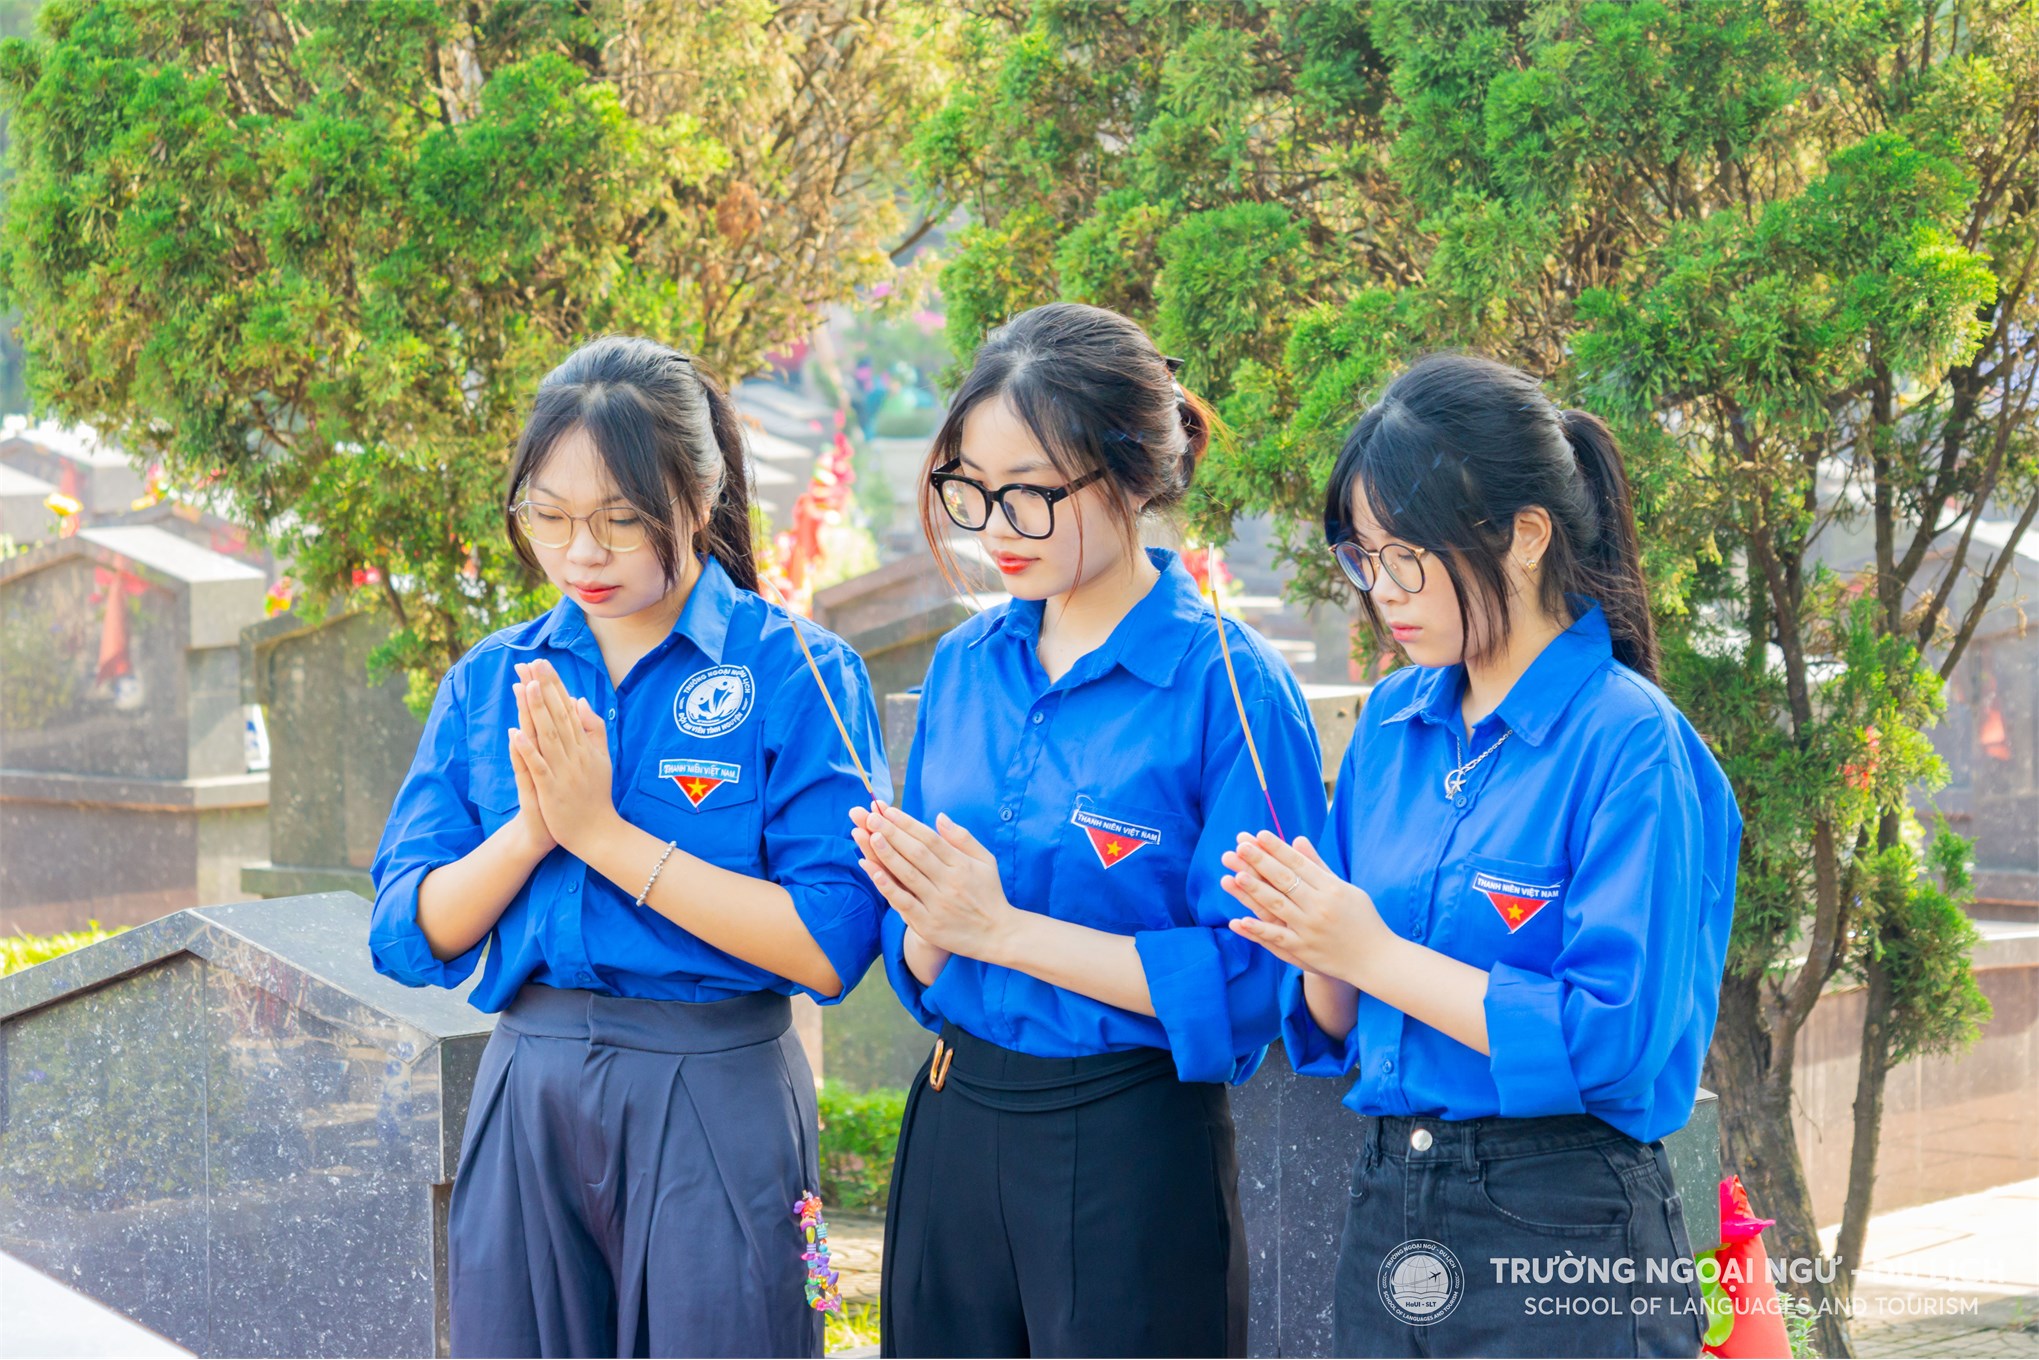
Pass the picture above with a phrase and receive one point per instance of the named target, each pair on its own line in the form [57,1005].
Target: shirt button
[588,980]
[1037,720]
[1387,1064]
[1420,1140]
[1005,814]
[612,715]
[1460,801]
[573,887]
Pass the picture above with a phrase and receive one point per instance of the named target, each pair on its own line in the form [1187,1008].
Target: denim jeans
[1550,1236]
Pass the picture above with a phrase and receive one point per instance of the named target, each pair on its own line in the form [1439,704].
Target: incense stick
[1245,728]
[793,617]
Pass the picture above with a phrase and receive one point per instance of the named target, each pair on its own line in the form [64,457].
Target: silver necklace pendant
[1455,778]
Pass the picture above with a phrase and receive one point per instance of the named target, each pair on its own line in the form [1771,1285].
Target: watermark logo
[1421,1282]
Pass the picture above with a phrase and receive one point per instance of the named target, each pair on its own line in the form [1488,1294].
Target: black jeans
[1551,1236]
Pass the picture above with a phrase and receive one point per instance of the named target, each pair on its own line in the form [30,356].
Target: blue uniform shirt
[1107,797]
[1588,867]
[719,740]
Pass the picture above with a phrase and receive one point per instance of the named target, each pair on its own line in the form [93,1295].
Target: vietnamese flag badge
[1113,840]
[699,778]
[1516,901]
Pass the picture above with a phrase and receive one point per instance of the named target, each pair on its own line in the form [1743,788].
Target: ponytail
[727,535]
[1610,562]
[1502,447]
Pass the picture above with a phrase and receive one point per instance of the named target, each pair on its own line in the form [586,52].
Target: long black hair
[1458,445]
[666,432]
[1095,393]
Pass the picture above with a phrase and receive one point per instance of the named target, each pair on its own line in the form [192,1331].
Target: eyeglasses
[1402,563]
[614,530]
[1029,509]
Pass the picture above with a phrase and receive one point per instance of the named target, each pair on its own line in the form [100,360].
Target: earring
[1531,564]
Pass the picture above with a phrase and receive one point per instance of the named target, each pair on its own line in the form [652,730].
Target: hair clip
[1174,364]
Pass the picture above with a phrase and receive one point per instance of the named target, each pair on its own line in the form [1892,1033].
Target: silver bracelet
[670,847]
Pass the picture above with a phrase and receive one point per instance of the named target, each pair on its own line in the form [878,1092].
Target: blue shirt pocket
[1509,911]
[706,803]
[1119,866]
[492,788]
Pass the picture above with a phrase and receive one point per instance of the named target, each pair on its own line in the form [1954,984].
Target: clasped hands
[559,750]
[1303,914]
[943,883]
[940,880]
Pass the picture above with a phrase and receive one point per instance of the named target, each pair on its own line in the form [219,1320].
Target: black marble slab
[227,1126]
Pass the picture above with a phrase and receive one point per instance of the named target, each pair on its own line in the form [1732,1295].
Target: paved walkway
[1957,1277]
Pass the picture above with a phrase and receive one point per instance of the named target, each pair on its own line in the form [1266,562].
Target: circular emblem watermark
[714,701]
[1421,1282]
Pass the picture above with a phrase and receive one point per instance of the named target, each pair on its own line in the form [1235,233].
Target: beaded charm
[824,1293]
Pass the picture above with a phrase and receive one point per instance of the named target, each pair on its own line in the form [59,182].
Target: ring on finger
[1295,881]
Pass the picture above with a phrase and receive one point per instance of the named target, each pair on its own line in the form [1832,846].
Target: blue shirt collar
[1535,702]
[1149,642]
[704,619]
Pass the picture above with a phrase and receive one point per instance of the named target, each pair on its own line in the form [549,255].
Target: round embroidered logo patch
[714,701]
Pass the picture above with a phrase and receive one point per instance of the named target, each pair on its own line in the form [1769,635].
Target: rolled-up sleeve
[1312,1052]
[1596,1033]
[810,787]
[1216,993]
[433,822]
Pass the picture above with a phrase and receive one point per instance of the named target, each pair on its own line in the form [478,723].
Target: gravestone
[213,532]
[339,749]
[74,460]
[24,516]
[124,788]
[893,617]
[226,1126]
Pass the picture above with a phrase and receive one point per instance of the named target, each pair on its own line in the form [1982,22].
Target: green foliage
[21,951]
[317,256]
[859,1133]
[1921,934]
[854,1328]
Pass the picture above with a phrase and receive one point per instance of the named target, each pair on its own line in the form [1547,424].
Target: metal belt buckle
[938,1066]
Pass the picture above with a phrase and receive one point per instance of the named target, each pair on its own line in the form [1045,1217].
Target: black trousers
[1062,1207]
[1510,1237]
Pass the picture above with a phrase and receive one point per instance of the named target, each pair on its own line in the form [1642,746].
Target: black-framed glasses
[1402,563]
[1030,510]
[616,529]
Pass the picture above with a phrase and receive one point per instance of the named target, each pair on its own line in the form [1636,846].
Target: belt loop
[1469,1153]
[1372,1149]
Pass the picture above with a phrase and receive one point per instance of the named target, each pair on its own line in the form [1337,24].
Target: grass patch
[856,1325]
[22,951]
[859,1132]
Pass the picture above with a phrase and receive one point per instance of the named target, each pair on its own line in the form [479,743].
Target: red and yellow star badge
[1516,902]
[1114,841]
[699,778]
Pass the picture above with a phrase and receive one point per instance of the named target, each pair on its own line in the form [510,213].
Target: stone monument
[339,749]
[227,1126]
[124,788]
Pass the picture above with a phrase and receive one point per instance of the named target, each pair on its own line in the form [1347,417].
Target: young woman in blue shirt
[636,802]
[1065,1181]
[1513,932]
